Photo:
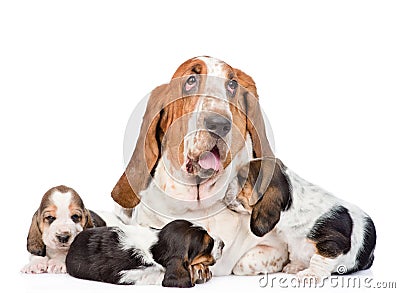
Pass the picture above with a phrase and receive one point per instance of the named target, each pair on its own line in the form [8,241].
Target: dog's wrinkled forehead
[204,65]
[207,76]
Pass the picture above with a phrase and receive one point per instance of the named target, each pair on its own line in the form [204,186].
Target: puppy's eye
[50,219]
[191,82]
[76,218]
[232,86]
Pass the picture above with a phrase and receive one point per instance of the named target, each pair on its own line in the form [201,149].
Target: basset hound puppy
[59,218]
[203,154]
[324,234]
[178,255]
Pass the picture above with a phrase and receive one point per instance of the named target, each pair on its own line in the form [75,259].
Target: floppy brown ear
[89,220]
[35,244]
[260,173]
[137,174]
[277,198]
[254,118]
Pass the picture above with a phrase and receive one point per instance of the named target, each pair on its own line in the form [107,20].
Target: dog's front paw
[310,276]
[36,266]
[293,268]
[56,267]
[200,273]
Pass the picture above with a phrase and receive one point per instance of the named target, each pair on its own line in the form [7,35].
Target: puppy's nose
[63,238]
[217,124]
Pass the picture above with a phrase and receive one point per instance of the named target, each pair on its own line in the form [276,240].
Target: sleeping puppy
[59,218]
[178,255]
[324,234]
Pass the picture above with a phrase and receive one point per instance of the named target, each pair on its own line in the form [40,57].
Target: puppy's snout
[217,124]
[63,238]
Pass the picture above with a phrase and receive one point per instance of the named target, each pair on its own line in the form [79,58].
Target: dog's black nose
[217,124]
[63,238]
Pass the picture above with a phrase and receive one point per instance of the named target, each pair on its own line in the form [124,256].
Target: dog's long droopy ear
[35,244]
[146,154]
[254,122]
[261,172]
[277,198]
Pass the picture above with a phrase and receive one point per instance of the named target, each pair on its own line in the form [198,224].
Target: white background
[71,72]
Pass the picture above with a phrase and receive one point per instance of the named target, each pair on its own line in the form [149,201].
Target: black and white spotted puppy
[324,234]
[178,255]
[59,218]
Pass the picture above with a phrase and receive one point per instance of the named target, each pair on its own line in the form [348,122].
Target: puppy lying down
[324,234]
[178,255]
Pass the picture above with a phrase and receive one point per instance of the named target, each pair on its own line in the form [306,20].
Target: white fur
[147,276]
[139,238]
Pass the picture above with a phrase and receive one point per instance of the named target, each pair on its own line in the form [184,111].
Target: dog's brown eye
[76,218]
[191,80]
[50,219]
[191,83]
[232,86]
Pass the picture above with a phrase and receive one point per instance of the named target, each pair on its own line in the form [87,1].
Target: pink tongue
[208,160]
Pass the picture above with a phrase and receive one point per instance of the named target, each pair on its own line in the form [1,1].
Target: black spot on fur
[332,232]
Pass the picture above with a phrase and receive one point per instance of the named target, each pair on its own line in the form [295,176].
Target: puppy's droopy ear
[35,244]
[177,274]
[277,198]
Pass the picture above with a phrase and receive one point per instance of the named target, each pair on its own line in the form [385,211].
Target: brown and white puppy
[59,218]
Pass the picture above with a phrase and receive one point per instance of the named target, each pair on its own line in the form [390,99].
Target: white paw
[35,267]
[310,276]
[293,268]
[56,267]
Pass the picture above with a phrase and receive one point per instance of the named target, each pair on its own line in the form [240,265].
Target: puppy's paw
[293,268]
[36,267]
[200,274]
[56,267]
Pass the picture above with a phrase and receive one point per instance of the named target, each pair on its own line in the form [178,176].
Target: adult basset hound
[203,147]
[59,218]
